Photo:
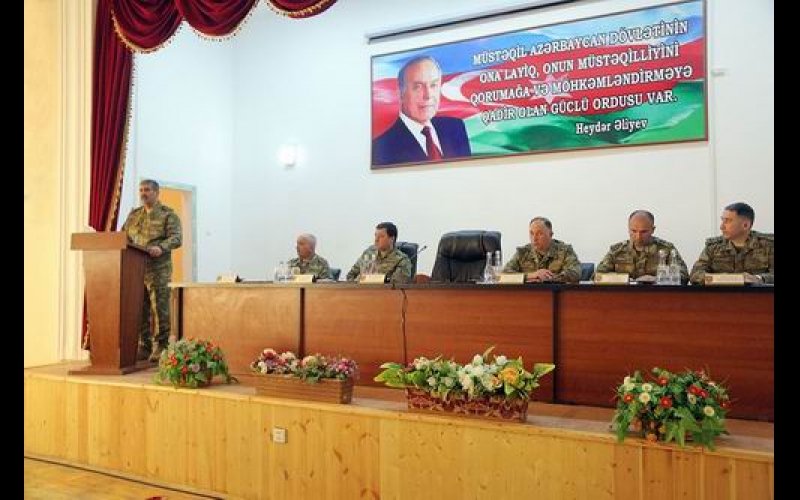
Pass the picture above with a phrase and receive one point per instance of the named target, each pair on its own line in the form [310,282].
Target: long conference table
[595,334]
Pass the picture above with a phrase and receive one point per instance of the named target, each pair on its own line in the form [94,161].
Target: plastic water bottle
[279,272]
[488,269]
[662,271]
[498,264]
[674,268]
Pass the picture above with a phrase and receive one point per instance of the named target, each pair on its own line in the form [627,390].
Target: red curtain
[111,81]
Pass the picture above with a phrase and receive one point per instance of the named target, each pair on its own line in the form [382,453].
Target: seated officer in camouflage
[738,250]
[157,228]
[545,258]
[638,256]
[389,261]
[307,260]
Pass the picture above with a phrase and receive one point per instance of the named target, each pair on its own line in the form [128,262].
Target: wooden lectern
[114,272]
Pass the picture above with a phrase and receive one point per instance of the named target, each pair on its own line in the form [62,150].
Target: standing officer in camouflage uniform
[638,256]
[389,260]
[307,260]
[738,250]
[545,258]
[157,228]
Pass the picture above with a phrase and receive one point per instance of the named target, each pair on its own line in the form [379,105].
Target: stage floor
[744,434]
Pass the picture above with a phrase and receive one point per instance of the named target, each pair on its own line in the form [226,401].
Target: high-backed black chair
[409,249]
[461,255]
[587,271]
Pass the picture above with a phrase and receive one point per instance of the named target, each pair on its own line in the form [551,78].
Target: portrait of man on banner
[418,134]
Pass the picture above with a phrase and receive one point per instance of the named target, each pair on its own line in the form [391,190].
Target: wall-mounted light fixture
[287,155]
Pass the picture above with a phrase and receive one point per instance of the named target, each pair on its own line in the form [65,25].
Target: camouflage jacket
[720,256]
[560,258]
[395,264]
[622,257]
[161,227]
[317,266]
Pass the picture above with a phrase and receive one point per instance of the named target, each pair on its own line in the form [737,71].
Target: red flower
[663,380]
[184,370]
[666,402]
[703,393]
[693,390]
[628,398]
[725,404]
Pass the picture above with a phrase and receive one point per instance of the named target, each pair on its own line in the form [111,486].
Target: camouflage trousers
[155,304]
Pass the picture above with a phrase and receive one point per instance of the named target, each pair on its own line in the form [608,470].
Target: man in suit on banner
[418,135]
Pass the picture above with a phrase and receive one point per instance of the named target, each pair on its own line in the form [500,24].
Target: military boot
[144,351]
[156,354]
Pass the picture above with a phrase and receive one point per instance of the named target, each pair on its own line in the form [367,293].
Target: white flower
[432,381]
[647,387]
[486,381]
[288,356]
[501,360]
[448,381]
[626,380]
[644,397]
[478,371]
[692,399]
[709,411]
[466,383]
[477,360]
[420,363]
[629,386]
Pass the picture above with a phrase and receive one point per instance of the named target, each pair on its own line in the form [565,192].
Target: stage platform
[219,441]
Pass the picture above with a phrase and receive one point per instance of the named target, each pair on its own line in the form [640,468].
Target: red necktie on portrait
[430,145]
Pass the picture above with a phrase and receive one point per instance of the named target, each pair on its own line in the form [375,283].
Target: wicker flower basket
[497,408]
[287,386]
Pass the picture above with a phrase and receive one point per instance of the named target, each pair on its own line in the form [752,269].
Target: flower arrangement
[192,363]
[315,377]
[672,406]
[489,385]
[311,368]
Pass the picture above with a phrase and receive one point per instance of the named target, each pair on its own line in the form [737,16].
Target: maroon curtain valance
[300,8]
[146,25]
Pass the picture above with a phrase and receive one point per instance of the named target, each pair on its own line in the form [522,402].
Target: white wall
[182,133]
[308,82]
[43,117]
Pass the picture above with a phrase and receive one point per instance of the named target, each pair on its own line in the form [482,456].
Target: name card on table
[303,278]
[511,279]
[372,279]
[611,278]
[228,278]
[724,279]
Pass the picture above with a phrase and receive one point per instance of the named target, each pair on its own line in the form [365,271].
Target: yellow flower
[509,375]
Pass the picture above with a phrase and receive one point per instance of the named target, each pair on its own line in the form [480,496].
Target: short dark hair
[543,220]
[153,184]
[645,213]
[391,229]
[743,210]
[401,75]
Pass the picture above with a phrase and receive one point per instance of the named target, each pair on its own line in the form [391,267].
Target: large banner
[625,79]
